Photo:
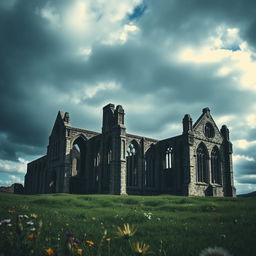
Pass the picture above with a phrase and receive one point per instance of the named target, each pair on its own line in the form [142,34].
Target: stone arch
[150,167]
[202,165]
[95,167]
[216,166]
[107,161]
[78,155]
[132,163]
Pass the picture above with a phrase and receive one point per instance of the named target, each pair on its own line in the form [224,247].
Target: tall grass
[170,225]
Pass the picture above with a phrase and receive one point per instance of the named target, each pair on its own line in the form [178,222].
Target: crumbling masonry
[198,162]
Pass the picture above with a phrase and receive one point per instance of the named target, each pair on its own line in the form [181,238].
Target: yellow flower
[127,231]
[140,248]
[49,251]
[93,218]
[108,239]
[33,215]
[90,243]
[79,251]
[31,236]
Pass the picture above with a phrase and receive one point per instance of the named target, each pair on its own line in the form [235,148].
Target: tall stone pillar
[113,127]
[188,168]
[229,188]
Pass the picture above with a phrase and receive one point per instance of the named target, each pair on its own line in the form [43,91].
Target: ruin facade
[196,163]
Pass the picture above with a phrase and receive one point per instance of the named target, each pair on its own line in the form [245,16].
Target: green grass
[178,225]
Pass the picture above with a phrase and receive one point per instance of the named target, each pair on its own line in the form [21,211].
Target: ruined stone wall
[101,164]
[35,178]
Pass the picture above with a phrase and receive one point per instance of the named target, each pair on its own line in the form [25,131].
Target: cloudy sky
[159,59]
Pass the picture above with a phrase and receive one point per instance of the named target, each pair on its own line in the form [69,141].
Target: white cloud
[10,180]
[91,21]
[231,53]
[86,51]
[243,188]
[237,158]
[244,144]
[91,91]
[7,166]
[131,28]
[225,119]
[78,17]
[50,14]
[251,120]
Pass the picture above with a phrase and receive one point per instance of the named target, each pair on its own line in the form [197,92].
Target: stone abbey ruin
[196,163]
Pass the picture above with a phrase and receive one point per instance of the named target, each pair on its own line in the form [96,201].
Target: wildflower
[77,241]
[126,232]
[33,215]
[93,218]
[33,229]
[148,215]
[40,224]
[49,251]
[6,221]
[30,223]
[79,251]
[215,251]
[25,216]
[31,236]
[70,234]
[108,239]
[140,248]
[9,225]
[11,211]
[89,243]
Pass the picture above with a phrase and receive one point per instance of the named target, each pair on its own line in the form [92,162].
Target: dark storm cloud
[192,21]
[26,51]
[40,72]
[247,180]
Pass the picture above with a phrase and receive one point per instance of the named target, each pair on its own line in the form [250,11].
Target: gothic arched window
[202,163]
[132,165]
[150,169]
[209,130]
[76,156]
[109,153]
[215,166]
[168,158]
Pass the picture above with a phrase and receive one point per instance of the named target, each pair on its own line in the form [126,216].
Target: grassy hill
[252,194]
[170,225]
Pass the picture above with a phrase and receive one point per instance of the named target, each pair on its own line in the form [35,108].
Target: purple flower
[69,234]
[76,240]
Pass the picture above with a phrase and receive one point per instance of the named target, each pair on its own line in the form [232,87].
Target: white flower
[6,221]
[25,216]
[33,229]
[214,251]
[148,215]
[9,225]
[30,223]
